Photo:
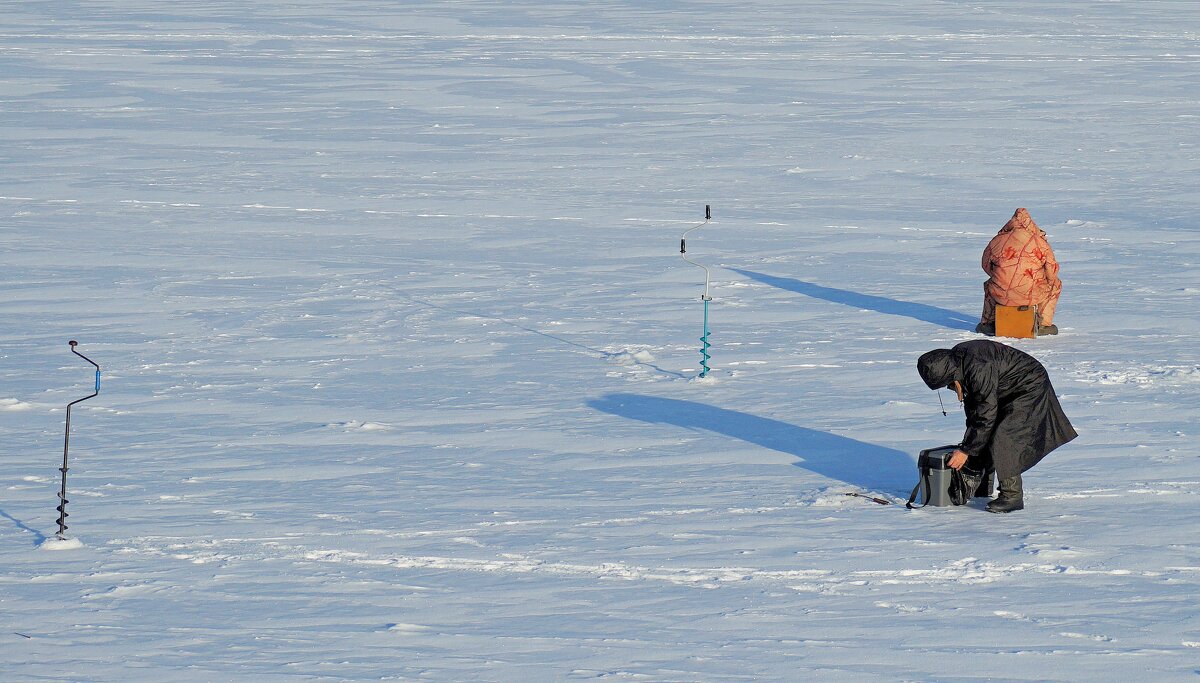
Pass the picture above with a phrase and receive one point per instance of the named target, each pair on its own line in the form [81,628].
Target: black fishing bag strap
[923,471]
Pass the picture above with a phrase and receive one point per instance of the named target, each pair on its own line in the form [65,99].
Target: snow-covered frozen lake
[400,355]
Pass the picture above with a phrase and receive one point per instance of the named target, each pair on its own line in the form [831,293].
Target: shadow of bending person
[857,463]
[923,312]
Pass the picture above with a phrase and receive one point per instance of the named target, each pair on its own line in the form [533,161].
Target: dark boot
[986,328]
[1011,496]
[1047,329]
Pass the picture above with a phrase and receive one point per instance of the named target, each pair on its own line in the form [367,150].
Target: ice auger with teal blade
[704,344]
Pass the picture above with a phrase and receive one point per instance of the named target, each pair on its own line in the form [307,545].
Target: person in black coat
[1013,417]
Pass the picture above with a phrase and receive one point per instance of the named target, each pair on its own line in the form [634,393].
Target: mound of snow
[61,544]
[628,357]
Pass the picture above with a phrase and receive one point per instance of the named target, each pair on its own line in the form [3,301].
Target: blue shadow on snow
[38,537]
[857,463]
[930,314]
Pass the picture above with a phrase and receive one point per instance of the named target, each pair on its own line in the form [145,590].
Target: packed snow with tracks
[400,356]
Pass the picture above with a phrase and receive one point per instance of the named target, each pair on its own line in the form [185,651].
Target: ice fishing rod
[704,345]
[873,499]
[62,493]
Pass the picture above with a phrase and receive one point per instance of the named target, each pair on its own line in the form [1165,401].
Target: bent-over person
[1013,417]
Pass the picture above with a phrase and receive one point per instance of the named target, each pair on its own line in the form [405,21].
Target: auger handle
[683,250]
[62,493]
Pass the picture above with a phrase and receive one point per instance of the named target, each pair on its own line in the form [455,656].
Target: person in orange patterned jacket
[1021,271]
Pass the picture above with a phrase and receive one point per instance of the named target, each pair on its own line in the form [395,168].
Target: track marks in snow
[1086,636]
[1051,552]
[1156,489]
[1129,374]
[360,426]
[1053,624]
[967,571]
[127,591]
[902,609]
[644,517]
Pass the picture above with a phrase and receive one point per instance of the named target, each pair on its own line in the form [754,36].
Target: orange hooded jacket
[1021,269]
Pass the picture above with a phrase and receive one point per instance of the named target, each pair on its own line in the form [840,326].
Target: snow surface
[400,354]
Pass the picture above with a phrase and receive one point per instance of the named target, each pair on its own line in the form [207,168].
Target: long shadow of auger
[930,314]
[38,537]
[857,463]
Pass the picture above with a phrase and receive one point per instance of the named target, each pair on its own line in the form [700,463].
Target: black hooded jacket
[1013,417]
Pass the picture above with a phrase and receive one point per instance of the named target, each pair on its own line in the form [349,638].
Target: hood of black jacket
[938,368]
